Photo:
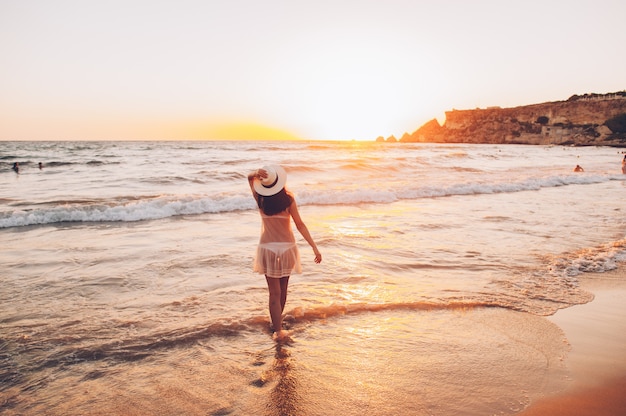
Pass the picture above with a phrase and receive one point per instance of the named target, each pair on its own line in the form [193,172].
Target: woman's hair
[271,205]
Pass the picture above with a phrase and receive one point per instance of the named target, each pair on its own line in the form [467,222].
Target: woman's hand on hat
[261,173]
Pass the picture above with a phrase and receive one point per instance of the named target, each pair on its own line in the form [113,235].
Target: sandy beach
[596,332]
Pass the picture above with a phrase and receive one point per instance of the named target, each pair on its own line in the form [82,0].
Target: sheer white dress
[277,253]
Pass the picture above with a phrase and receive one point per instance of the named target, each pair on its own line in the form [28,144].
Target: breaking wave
[151,208]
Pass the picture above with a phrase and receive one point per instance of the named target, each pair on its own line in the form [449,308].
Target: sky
[284,69]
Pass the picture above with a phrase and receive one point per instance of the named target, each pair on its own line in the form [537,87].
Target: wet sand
[596,332]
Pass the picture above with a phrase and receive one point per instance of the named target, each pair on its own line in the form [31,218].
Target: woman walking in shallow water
[277,253]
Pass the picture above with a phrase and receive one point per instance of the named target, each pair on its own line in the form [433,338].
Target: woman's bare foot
[282,336]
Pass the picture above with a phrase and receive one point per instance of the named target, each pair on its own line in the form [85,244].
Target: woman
[624,165]
[277,253]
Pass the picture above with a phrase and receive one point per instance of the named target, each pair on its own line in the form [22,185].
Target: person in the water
[277,254]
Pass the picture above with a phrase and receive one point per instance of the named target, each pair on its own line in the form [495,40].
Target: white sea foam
[152,209]
[168,206]
[591,260]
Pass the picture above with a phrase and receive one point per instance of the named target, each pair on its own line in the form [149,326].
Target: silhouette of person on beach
[624,165]
[277,254]
[40,165]
[578,168]
[16,167]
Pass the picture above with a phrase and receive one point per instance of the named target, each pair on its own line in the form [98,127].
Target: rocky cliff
[587,120]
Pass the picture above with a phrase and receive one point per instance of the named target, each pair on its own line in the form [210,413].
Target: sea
[126,283]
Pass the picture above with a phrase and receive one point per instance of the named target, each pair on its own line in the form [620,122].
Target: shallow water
[127,285]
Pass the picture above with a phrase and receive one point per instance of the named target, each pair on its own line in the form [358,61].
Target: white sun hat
[275,181]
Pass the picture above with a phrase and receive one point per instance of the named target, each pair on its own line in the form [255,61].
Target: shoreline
[596,333]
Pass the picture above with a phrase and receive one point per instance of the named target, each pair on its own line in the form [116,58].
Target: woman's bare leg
[284,283]
[275,295]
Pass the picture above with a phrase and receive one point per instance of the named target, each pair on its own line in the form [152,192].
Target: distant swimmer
[624,165]
[40,165]
[16,167]
[578,168]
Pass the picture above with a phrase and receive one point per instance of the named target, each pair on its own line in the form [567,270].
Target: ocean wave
[600,259]
[150,208]
[144,345]
[177,180]
[376,195]
[141,346]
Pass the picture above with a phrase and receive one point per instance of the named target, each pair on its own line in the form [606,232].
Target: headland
[581,120]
